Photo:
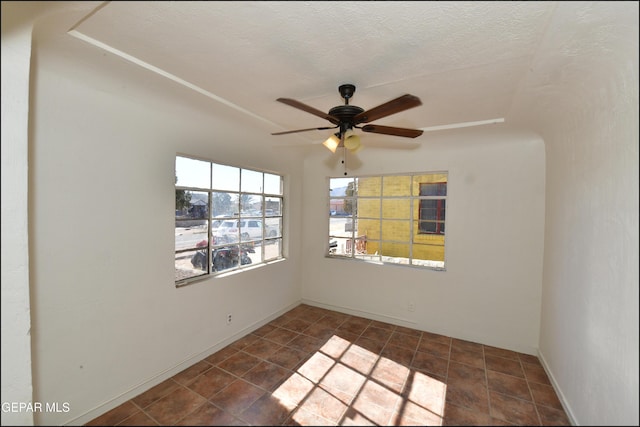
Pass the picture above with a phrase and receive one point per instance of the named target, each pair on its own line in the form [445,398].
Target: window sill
[378,260]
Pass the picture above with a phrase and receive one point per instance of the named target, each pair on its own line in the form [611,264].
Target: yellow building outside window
[396,219]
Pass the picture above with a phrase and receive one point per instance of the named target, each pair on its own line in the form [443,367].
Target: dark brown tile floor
[313,366]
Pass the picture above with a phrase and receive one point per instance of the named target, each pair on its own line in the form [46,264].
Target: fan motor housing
[345,113]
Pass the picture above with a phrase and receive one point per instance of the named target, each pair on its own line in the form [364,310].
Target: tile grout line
[486,380]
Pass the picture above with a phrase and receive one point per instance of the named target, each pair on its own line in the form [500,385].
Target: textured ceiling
[466,61]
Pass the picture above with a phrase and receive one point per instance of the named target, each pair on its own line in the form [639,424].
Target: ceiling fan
[347,117]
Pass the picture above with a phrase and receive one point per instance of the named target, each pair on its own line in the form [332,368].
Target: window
[226,218]
[397,219]
[432,209]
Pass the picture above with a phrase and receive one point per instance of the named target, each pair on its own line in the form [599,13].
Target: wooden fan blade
[389,130]
[401,103]
[299,105]
[303,130]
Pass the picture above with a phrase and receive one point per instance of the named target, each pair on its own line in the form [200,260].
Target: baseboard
[168,373]
[399,321]
[556,387]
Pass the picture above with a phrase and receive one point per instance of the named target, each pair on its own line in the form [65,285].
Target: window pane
[228,232]
[190,237]
[227,204]
[185,269]
[396,230]
[369,186]
[338,186]
[190,225]
[427,226]
[273,206]
[369,228]
[198,259]
[250,205]
[368,208]
[397,253]
[273,227]
[357,244]
[199,205]
[251,234]
[272,184]
[272,249]
[336,206]
[231,256]
[432,215]
[339,245]
[433,189]
[341,226]
[373,246]
[350,206]
[396,186]
[255,254]
[251,181]
[336,226]
[396,208]
[433,209]
[183,203]
[437,179]
[192,173]
[429,252]
[225,177]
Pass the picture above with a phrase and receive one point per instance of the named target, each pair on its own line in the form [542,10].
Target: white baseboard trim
[556,387]
[398,321]
[409,323]
[168,373]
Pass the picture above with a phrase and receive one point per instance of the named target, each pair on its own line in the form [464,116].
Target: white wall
[108,321]
[16,322]
[490,292]
[589,121]
[589,331]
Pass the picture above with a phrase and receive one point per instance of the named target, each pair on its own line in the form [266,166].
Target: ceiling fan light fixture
[351,140]
[358,148]
[332,142]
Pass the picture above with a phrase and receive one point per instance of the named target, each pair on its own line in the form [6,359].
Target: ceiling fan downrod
[346,91]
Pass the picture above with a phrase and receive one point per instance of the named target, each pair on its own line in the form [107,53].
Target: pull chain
[344,159]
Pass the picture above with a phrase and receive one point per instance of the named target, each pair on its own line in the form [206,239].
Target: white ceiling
[466,61]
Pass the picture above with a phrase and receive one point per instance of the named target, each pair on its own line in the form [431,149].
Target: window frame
[268,216]
[356,244]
